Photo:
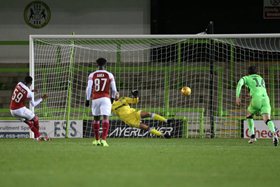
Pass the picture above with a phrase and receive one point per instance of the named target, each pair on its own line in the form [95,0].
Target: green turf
[139,162]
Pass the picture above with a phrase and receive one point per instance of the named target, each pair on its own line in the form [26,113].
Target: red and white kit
[20,96]
[100,88]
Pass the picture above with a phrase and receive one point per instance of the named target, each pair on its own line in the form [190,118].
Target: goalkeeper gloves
[87,103]
[112,100]
[134,93]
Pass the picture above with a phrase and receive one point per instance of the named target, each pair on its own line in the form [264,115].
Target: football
[186,91]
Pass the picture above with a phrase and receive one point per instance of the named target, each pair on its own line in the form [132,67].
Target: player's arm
[88,91]
[240,83]
[34,102]
[135,93]
[134,99]
[113,88]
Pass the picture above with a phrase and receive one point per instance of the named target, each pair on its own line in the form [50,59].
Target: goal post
[158,66]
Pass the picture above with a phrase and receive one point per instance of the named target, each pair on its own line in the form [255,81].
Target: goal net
[158,66]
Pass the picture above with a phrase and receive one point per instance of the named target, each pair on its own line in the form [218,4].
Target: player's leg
[37,126]
[153,116]
[269,123]
[252,109]
[251,127]
[134,120]
[95,128]
[271,127]
[35,121]
[28,117]
[33,128]
[95,109]
[105,111]
[265,111]
[153,130]
[105,130]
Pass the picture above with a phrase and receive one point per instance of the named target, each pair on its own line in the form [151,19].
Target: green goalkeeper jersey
[255,83]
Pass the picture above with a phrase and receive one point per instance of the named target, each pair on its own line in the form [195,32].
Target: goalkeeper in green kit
[259,103]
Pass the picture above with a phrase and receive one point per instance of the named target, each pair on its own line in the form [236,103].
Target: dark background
[229,17]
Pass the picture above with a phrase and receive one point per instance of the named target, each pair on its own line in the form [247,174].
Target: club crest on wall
[37,14]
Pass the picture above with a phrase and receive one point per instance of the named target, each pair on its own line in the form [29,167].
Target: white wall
[78,16]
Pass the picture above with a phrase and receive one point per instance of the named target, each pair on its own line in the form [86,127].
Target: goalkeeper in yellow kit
[259,103]
[132,117]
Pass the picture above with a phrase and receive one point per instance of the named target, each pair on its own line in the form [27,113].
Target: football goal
[158,66]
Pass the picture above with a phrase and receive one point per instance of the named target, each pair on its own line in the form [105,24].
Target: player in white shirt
[101,90]
[20,96]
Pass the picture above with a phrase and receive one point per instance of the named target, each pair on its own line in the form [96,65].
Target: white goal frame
[222,37]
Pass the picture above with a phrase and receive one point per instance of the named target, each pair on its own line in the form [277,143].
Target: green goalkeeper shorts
[260,105]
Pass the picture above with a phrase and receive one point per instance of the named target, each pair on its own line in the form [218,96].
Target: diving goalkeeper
[132,117]
[259,102]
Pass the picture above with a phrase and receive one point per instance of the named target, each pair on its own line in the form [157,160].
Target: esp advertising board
[51,128]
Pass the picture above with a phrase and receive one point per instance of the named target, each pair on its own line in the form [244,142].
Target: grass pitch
[139,162]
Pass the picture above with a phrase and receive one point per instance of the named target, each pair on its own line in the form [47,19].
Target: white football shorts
[23,113]
[101,106]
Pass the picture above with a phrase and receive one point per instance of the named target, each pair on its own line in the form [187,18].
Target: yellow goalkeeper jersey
[127,114]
